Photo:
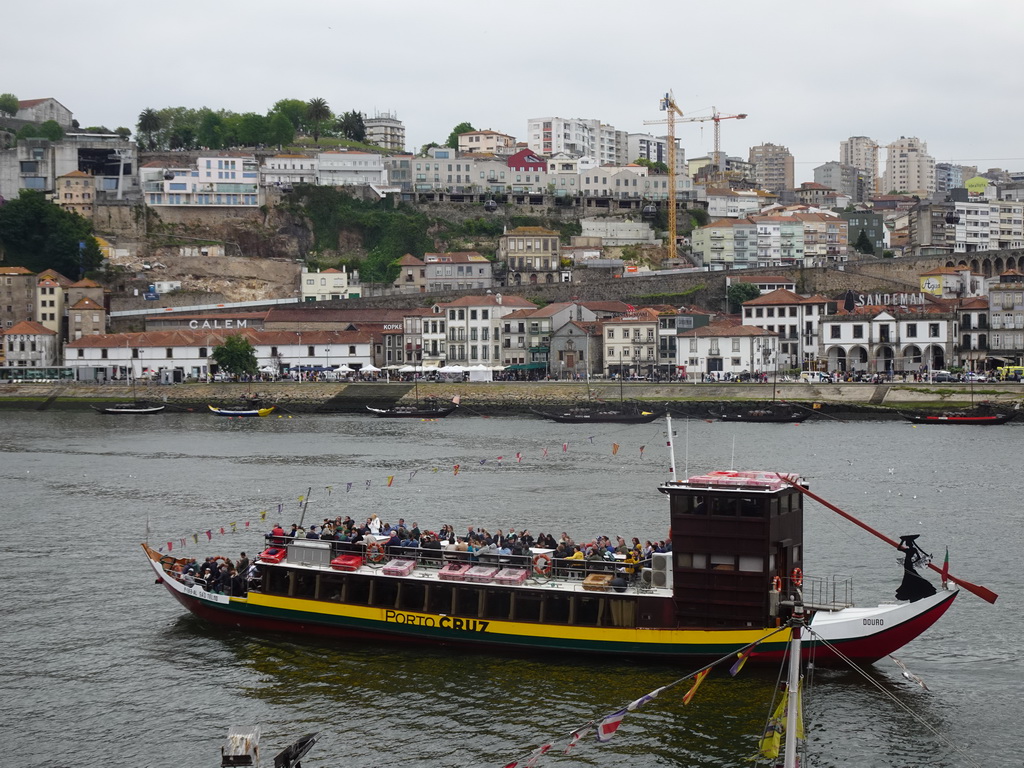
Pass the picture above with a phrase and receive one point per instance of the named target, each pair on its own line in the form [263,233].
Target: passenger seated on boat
[393,546]
[629,566]
[294,532]
[276,535]
[598,561]
[430,547]
[312,534]
[238,585]
[189,578]
[575,560]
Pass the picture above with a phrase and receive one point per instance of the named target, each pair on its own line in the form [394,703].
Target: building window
[911,330]
[834,331]
[858,331]
[933,330]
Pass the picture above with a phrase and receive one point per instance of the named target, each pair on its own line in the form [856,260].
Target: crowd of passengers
[476,545]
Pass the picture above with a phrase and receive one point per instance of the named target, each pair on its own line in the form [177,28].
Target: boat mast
[793,685]
[671,447]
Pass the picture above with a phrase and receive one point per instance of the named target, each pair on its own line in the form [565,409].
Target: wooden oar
[983,592]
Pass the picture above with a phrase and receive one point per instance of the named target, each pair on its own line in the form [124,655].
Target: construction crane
[717,117]
[668,104]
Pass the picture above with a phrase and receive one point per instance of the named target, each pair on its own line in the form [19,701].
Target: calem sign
[217,323]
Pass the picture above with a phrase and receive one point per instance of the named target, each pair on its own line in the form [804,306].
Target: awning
[528,366]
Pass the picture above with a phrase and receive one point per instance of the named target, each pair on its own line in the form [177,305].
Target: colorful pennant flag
[644,699]
[532,761]
[609,725]
[945,568]
[170,546]
[455,469]
[642,451]
[565,447]
[574,739]
[263,514]
[209,535]
[697,680]
[195,538]
[615,449]
[348,487]
[741,659]
[519,457]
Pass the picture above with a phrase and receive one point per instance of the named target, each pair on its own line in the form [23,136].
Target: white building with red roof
[29,344]
[796,319]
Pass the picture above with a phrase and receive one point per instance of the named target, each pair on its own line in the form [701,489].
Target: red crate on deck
[454,572]
[273,554]
[512,576]
[481,573]
[346,563]
[399,567]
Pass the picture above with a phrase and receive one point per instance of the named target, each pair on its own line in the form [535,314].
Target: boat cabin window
[726,506]
[461,599]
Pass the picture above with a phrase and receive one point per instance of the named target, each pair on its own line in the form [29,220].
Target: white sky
[808,74]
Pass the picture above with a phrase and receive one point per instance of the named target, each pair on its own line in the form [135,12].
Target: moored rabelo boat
[598,415]
[428,409]
[977,417]
[732,578]
[241,410]
[773,415]
[137,408]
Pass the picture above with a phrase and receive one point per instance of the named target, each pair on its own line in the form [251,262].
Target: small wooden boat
[137,408]
[586,415]
[976,418]
[426,410]
[765,416]
[242,411]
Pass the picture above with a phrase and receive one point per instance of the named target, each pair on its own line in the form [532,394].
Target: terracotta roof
[975,302]
[85,282]
[74,174]
[778,296]
[494,300]
[410,261]
[726,329]
[52,274]
[531,231]
[86,303]
[454,257]
[320,315]
[213,315]
[26,103]
[15,271]
[29,328]
[619,307]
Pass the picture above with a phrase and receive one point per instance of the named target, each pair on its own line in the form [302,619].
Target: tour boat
[732,578]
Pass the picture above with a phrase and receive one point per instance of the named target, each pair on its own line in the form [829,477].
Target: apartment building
[795,319]
[385,130]
[909,169]
[340,169]
[329,285]
[458,271]
[76,192]
[531,255]
[474,327]
[773,167]
[221,180]
[487,142]
[720,349]
[286,171]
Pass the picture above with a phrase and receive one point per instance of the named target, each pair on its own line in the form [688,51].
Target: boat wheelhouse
[732,578]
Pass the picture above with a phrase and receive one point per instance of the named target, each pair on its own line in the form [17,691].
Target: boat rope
[893,698]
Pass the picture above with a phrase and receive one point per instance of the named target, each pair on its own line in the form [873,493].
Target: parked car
[976,377]
[940,377]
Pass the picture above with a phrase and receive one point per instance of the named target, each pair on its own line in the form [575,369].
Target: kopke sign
[205,325]
[889,299]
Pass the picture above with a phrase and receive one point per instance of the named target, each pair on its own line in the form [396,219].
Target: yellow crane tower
[717,117]
[668,104]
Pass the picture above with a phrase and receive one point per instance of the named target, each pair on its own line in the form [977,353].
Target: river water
[104,668]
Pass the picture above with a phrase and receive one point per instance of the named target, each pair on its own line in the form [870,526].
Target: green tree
[317,113]
[453,137]
[51,130]
[37,235]
[293,109]
[350,125]
[8,104]
[741,292]
[864,244]
[211,130]
[655,166]
[427,147]
[123,132]
[149,123]
[279,129]
[236,356]
[252,129]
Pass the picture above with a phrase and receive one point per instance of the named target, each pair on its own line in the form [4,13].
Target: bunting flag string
[386,481]
[604,728]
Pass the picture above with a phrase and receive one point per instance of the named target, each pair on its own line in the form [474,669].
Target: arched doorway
[857,359]
[936,356]
[912,358]
[837,359]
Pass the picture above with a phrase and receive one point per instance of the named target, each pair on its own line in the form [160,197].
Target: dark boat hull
[130,409]
[764,418]
[599,417]
[961,419]
[412,413]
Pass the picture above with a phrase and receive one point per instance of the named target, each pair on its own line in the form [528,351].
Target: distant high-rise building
[861,152]
[909,168]
[385,130]
[845,179]
[949,176]
[773,167]
[548,136]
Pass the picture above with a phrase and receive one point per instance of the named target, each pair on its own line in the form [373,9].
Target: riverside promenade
[855,401]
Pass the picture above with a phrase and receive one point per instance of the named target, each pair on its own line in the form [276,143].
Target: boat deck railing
[830,593]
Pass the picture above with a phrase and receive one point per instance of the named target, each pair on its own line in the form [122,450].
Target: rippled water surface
[103,668]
